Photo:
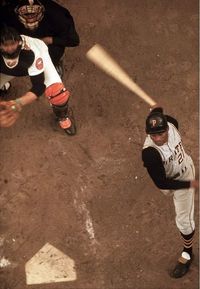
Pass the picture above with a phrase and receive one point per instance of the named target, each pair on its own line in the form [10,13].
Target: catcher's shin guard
[65,118]
[58,98]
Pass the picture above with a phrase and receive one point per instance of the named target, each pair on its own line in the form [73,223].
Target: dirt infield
[89,195]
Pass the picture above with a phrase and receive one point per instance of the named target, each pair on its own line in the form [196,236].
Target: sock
[187,243]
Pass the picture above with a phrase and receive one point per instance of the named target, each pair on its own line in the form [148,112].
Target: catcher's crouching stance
[21,55]
[58,97]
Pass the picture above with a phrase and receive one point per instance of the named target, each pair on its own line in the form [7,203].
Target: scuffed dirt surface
[50,183]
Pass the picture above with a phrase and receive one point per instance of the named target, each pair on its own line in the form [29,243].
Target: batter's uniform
[173,175]
[34,61]
[172,170]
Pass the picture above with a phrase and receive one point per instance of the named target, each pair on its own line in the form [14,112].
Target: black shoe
[71,130]
[181,268]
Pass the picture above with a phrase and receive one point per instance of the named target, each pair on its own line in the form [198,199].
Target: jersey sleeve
[153,163]
[172,120]
[63,25]
[40,50]
[37,67]
[36,70]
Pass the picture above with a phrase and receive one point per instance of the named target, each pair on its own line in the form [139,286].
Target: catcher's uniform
[172,169]
[34,61]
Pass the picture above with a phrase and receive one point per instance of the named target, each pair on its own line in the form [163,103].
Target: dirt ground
[53,185]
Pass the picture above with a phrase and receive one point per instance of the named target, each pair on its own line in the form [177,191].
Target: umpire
[172,171]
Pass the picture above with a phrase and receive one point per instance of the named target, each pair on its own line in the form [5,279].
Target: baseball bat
[104,61]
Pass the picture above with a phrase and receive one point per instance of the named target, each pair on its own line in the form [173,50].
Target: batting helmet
[156,122]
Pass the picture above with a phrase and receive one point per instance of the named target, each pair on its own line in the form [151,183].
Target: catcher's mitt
[9,112]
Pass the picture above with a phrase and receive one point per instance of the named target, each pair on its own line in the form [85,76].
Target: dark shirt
[26,59]
[57,23]
[154,165]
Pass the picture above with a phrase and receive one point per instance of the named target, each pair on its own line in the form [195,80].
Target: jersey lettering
[180,158]
[179,152]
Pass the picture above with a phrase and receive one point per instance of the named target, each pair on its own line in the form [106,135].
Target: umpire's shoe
[182,267]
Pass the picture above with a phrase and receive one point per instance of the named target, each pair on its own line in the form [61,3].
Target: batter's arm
[153,163]
[172,120]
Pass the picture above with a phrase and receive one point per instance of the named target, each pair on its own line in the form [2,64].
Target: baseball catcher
[172,171]
[22,55]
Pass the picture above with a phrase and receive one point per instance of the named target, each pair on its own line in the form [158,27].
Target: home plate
[49,265]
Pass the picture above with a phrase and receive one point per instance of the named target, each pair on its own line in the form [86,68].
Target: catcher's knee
[57,94]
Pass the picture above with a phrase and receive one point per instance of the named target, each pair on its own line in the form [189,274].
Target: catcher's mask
[156,122]
[30,13]
[10,45]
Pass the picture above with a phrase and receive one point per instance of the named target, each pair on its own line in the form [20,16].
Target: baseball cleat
[68,123]
[68,126]
[181,268]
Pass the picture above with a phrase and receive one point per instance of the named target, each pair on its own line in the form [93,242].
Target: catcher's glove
[9,112]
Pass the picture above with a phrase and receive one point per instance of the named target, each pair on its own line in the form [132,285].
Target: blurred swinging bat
[104,61]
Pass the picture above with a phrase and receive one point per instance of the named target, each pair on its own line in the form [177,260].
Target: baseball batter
[21,55]
[172,171]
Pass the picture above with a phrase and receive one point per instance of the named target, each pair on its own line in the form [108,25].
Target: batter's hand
[156,108]
[9,113]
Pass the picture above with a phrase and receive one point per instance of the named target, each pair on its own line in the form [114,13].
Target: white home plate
[49,265]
